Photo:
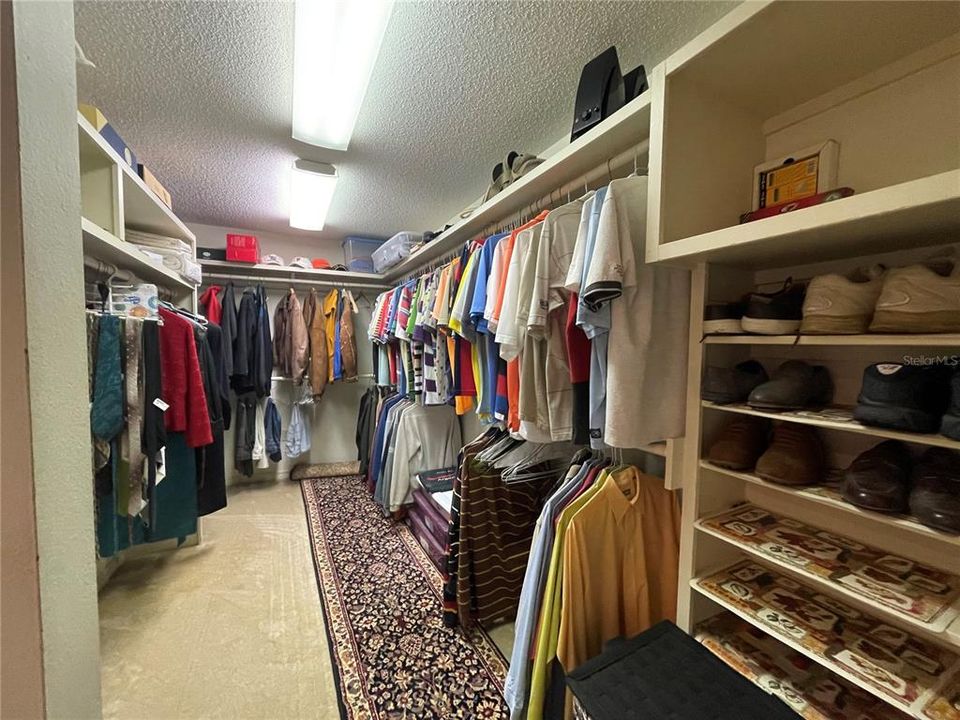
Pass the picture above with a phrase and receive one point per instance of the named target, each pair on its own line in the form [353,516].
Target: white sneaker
[919,299]
[841,304]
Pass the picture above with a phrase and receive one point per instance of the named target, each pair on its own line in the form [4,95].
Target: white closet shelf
[918,213]
[942,340]
[820,495]
[142,209]
[281,274]
[837,418]
[104,246]
[627,127]
[915,710]
[770,554]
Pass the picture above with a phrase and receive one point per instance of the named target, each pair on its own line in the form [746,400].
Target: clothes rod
[291,282]
[362,376]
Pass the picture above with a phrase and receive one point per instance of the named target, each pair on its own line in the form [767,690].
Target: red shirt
[181,381]
[212,309]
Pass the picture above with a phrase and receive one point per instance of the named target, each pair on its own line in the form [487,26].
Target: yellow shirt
[330,313]
[549,625]
[620,565]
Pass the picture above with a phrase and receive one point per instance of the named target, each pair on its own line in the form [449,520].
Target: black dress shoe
[879,479]
[795,385]
[731,385]
[951,419]
[903,397]
[935,498]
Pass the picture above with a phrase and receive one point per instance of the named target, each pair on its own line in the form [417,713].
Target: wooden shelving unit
[821,495]
[878,340]
[891,103]
[838,418]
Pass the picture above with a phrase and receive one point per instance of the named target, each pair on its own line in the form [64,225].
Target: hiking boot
[903,397]
[935,498]
[776,313]
[879,479]
[731,385]
[740,444]
[795,457]
[841,305]
[919,299]
[794,386]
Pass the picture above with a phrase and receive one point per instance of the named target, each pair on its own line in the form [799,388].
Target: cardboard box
[150,180]
[243,248]
[803,174]
[107,131]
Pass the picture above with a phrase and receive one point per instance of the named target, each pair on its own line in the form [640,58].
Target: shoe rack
[771,77]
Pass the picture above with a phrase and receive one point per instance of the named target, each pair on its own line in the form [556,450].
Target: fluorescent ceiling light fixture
[336,43]
[311,190]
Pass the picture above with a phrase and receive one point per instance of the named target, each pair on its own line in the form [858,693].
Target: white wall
[57,356]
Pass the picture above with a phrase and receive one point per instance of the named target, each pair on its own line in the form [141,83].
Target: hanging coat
[263,347]
[228,325]
[210,304]
[348,343]
[317,361]
[245,343]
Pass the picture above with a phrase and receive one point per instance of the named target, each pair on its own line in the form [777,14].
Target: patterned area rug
[382,600]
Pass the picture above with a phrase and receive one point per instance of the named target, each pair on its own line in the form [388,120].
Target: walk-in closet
[523,360]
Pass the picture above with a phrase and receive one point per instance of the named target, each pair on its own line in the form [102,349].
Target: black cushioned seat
[664,674]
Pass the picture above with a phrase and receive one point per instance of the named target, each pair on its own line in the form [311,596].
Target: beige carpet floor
[230,629]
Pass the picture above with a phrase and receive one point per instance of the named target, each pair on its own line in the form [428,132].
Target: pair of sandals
[514,166]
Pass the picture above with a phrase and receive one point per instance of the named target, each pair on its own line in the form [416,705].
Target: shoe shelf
[829,497]
[809,689]
[912,675]
[901,590]
[837,418]
[906,340]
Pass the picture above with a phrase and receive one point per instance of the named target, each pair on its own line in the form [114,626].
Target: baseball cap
[301,262]
[271,259]
[321,263]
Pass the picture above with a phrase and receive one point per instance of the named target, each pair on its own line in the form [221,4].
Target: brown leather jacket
[348,343]
[317,363]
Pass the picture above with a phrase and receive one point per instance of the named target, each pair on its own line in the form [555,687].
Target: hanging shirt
[649,308]
[427,438]
[620,565]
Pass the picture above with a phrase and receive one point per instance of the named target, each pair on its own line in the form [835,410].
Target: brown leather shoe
[795,457]
[740,443]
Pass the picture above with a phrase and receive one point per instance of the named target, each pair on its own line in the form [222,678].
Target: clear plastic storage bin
[358,252]
[394,250]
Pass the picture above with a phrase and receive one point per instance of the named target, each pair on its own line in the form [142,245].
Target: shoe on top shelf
[935,497]
[777,313]
[879,479]
[920,299]
[795,457]
[723,385]
[841,304]
[740,443]
[794,386]
[723,318]
[951,419]
[903,397]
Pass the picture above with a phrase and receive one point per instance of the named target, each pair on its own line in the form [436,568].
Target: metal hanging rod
[292,281]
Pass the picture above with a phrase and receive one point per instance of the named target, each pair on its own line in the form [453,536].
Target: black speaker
[634,83]
[600,93]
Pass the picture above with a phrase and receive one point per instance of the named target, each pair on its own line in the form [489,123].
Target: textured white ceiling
[202,93]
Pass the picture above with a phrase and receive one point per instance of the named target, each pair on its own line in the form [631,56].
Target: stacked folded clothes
[172,252]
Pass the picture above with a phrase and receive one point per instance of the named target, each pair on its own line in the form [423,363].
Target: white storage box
[394,250]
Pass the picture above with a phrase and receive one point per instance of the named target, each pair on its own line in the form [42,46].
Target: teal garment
[116,531]
[175,498]
[106,412]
